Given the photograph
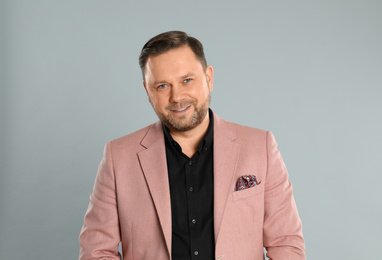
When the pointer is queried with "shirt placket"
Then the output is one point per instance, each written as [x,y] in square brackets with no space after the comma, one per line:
[191,191]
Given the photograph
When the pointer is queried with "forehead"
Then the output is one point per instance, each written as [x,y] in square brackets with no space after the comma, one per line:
[173,63]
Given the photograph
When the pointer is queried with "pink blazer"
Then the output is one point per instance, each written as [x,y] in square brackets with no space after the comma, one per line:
[130,202]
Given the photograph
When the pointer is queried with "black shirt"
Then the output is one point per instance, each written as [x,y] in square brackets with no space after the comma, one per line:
[191,191]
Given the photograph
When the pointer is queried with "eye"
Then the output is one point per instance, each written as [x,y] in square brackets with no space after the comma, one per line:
[162,86]
[187,80]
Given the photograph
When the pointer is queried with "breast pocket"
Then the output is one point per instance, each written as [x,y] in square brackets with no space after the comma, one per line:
[247,193]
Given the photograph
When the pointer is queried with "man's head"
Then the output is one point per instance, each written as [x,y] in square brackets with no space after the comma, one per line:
[170,40]
[177,81]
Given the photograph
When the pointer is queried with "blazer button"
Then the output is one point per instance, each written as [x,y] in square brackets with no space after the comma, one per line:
[196,252]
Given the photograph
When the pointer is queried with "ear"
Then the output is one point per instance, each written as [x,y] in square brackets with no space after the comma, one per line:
[210,77]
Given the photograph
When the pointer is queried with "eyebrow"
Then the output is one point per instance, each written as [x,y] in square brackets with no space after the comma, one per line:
[188,75]
[158,83]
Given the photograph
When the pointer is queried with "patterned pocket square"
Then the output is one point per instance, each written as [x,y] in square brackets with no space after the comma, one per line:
[246,181]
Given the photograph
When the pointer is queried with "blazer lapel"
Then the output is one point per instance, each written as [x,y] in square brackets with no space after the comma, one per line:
[225,160]
[154,166]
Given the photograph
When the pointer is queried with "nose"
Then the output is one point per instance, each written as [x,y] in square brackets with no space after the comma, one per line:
[177,93]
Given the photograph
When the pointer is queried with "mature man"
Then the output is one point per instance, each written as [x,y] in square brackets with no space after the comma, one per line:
[190,186]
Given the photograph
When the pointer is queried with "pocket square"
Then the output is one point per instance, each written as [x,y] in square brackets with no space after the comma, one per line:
[246,181]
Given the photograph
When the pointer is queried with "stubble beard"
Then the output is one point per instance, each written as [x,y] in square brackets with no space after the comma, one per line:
[184,124]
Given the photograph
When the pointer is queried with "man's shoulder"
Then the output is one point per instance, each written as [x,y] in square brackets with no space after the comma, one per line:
[137,137]
[246,129]
[253,140]
[239,129]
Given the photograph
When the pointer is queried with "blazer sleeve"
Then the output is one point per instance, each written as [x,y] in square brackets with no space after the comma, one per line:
[100,234]
[282,233]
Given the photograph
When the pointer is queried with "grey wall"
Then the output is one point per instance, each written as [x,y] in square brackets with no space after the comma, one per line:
[310,71]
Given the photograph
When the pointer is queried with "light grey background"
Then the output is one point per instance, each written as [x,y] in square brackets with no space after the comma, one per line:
[310,71]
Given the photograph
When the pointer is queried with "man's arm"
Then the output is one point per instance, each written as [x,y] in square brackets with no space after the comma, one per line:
[100,234]
[282,225]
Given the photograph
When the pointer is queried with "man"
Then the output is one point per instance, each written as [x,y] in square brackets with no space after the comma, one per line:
[190,186]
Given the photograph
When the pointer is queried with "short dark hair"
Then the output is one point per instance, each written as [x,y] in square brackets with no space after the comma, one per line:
[170,40]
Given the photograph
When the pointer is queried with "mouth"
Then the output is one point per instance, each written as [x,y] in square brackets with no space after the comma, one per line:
[181,109]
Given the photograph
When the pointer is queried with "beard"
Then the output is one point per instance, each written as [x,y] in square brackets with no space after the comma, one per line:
[183,123]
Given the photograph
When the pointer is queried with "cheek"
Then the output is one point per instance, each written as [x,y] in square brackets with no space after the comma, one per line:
[197,91]
[157,102]
[201,93]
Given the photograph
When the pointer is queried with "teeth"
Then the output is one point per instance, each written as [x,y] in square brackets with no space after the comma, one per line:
[181,109]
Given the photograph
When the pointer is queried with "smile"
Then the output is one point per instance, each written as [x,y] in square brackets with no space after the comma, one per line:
[181,109]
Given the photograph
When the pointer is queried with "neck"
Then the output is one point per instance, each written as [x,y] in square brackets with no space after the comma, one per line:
[189,140]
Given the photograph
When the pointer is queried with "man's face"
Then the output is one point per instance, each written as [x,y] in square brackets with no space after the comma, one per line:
[178,88]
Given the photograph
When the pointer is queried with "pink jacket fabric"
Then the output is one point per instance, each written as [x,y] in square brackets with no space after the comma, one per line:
[130,202]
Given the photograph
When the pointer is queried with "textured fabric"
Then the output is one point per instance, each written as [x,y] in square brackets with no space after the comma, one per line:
[131,201]
[246,181]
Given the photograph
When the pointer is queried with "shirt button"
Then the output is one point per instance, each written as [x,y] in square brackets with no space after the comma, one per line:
[189,162]
[191,189]
[193,221]
[196,252]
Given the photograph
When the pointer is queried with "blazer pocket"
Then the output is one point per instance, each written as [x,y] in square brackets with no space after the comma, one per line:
[246,193]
